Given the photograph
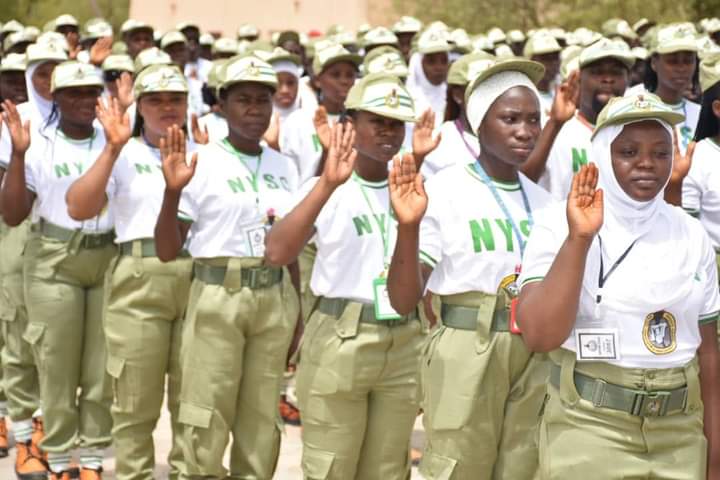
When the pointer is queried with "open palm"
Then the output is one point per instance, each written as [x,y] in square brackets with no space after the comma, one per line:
[341,155]
[407,192]
[423,141]
[585,203]
[322,126]
[19,131]
[176,170]
[115,122]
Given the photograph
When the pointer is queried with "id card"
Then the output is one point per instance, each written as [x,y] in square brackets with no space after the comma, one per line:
[255,237]
[597,344]
[383,309]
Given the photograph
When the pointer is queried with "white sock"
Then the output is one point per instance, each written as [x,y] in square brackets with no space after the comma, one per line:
[22,430]
[59,462]
[91,458]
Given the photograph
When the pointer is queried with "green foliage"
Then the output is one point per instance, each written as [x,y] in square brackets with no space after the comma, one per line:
[39,12]
[478,16]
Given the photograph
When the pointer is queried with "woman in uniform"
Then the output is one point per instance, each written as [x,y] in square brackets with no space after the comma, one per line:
[632,339]
[482,388]
[241,312]
[146,298]
[65,263]
[358,374]
[427,81]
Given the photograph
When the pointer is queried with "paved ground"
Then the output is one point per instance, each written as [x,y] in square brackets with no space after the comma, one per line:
[288,467]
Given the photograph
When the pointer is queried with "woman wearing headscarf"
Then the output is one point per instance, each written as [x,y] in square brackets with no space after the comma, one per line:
[427,81]
[624,297]
[463,241]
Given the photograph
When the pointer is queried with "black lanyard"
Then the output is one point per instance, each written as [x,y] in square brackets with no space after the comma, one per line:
[602,278]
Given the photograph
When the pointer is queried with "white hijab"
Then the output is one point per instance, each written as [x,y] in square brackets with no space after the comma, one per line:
[425,93]
[664,251]
[41,108]
[287,66]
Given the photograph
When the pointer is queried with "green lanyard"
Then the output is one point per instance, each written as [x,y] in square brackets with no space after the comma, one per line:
[384,229]
[253,174]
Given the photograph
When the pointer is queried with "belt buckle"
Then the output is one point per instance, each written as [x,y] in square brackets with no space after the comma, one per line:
[651,404]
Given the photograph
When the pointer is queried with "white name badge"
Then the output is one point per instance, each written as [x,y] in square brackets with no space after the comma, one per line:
[255,237]
[383,309]
[597,344]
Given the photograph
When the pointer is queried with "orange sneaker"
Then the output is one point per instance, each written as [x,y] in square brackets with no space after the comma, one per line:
[288,412]
[64,475]
[37,436]
[90,474]
[29,466]
[3,438]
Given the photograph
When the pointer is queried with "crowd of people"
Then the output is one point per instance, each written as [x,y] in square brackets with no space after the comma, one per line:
[514,234]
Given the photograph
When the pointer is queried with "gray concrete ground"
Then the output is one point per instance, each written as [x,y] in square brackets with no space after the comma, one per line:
[288,467]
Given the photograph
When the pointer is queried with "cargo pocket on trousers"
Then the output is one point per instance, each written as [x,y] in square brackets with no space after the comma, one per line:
[124,393]
[33,335]
[316,464]
[201,443]
[437,467]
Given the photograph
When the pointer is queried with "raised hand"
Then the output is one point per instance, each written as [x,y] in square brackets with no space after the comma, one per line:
[101,50]
[585,204]
[341,155]
[115,121]
[19,131]
[407,192]
[423,141]
[681,163]
[125,90]
[175,168]
[272,134]
[322,127]
[567,95]
[200,135]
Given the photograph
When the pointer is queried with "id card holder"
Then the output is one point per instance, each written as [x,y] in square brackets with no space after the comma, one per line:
[514,327]
[383,309]
[255,238]
[594,344]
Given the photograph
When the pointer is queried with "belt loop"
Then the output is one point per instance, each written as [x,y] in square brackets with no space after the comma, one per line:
[568,390]
[74,243]
[136,251]
[233,275]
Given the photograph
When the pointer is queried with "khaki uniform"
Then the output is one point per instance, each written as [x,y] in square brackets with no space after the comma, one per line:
[482,395]
[239,325]
[146,302]
[602,440]
[20,376]
[64,281]
[357,386]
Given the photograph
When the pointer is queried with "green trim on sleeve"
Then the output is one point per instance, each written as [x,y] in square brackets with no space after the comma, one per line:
[692,212]
[531,280]
[425,258]
[184,218]
[708,318]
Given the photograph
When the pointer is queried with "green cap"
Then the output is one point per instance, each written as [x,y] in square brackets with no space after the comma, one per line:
[570,60]
[66,20]
[11,26]
[707,47]
[160,78]
[130,25]
[279,54]
[379,36]
[248,68]
[645,106]
[16,38]
[215,75]
[206,40]
[534,71]
[641,53]
[586,37]
[460,41]
[709,72]
[183,25]
[459,72]
[433,40]
[496,35]
[171,37]
[119,48]
[407,24]
[363,29]
[675,38]
[247,30]
[151,56]
[617,27]
[96,28]
[386,60]
[225,45]
[383,95]
[483,44]
[259,45]
[75,74]
[643,22]
[42,52]
[13,62]
[606,48]
[712,25]
[53,38]
[504,51]
[515,36]
[329,54]
[540,44]
[119,62]
[345,38]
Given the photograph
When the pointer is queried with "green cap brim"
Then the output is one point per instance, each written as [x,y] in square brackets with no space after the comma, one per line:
[671,118]
[349,57]
[534,71]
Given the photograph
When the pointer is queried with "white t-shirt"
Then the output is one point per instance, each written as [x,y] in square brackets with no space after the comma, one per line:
[570,151]
[350,248]
[452,150]
[300,142]
[226,206]
[216,125]
[465,235]
[135,190]
[642,340]
[52,164]
[701,188]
